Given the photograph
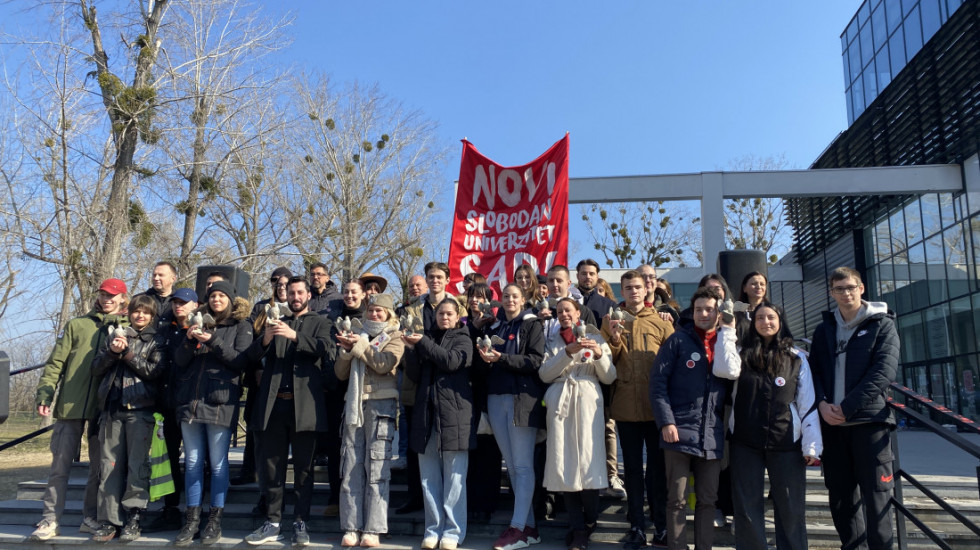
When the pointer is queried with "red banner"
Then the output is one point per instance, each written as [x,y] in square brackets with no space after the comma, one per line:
[508,216]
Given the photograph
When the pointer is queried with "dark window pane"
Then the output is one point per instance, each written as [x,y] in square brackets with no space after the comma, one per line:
[913,222]
[936,265]
[870,84]
[857,97]
[912,335]
[946,209]
[913,34]
[867,46]
[930,214]
[850,109]
[937,331]
[878,26]
[884,72]
[893,14]
[854,60]
[966,384]
[931,18]
[896,51]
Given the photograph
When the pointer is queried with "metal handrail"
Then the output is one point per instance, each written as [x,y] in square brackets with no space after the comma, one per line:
[27,369]
[966,424]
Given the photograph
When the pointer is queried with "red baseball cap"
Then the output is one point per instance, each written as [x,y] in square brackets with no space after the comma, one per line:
[113,286]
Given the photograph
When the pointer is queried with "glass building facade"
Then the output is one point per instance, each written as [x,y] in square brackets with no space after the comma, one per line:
[880,40]
[923,259]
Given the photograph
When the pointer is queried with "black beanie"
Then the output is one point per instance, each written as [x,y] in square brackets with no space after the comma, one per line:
[223,287]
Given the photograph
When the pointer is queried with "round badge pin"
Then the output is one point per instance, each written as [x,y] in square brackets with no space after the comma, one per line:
[780,381]
[690,364]
[696,356]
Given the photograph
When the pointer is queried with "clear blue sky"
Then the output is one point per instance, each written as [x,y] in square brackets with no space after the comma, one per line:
[643,87]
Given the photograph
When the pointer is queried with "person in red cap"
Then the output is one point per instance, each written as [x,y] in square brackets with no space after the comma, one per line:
[70,367]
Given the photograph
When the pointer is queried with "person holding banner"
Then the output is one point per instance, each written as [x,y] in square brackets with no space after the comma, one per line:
[527,279]
[515,409]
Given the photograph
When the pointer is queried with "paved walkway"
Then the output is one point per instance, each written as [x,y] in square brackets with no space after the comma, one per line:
[925,453]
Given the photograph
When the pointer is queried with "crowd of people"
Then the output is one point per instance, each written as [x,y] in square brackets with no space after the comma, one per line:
[549,379]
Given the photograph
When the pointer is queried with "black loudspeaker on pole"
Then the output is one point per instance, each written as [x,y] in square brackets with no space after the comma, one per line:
[238,278]
[4,386]
[734,265]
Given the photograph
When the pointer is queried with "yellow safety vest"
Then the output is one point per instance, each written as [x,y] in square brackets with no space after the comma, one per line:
[161,482]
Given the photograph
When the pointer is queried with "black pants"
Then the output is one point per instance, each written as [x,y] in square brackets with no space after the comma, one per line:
[279,436]
[583,508]
[483,488]
[335,412]
[857,463]
[172,437]
[632,437]
[787,482]
[414,476]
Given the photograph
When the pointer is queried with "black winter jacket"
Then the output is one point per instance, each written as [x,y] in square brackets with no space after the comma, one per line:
[304,358]
[519,370]
[440,366]
[137,368]
[871,366]
[209,374]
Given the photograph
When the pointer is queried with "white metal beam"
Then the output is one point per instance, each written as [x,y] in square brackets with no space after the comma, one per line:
[888,180]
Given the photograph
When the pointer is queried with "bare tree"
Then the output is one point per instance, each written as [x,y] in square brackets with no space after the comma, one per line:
[213,68]
[368,168]
[130,111]
[655,233]
[757,223]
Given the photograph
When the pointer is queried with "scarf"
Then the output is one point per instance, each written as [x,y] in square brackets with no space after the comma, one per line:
[355,389]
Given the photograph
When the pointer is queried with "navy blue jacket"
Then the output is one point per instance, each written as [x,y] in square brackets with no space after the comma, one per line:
[685,393]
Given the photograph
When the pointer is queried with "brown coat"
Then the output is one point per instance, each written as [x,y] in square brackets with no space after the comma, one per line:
[633,356]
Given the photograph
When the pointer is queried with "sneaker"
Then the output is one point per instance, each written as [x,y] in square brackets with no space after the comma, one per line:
[429,543]
[531,535]
[635,538]
[370,540]
[47,529]
[300,535]
[89,525]
[448,544]
[350,539]
[104,533]
[511,539]
[616,488]
[267,533]
[659,539]
[131,531]
[720,519]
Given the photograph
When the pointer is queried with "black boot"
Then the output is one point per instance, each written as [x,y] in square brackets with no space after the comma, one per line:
[167,520]
[191,523]
[131,531]
[212,531]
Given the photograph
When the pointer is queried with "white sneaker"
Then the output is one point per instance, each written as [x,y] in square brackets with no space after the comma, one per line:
[616,488]
[46,530]
[429,543]
[350,539]
[447,544]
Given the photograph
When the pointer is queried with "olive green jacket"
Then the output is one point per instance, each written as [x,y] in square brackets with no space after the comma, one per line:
[70,366]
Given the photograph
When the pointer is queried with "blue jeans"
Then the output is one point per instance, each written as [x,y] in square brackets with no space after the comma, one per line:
[517,447]
[199,437]
[444,491]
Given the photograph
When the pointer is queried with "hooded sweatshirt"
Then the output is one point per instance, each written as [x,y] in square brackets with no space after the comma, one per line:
[844,332]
